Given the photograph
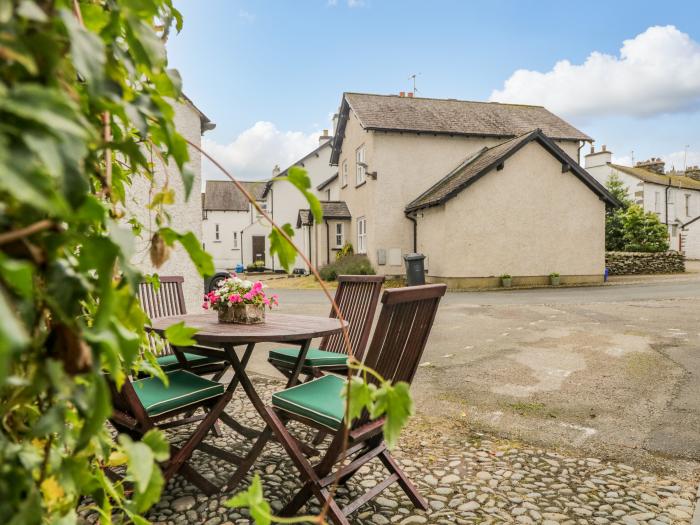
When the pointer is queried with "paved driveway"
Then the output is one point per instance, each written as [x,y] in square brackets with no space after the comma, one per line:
[611,370]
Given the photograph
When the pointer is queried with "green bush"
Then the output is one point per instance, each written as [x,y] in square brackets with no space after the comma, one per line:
[257,266]
[643,232]
[348,265]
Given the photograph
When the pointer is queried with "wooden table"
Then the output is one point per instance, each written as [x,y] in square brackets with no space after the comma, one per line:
[219,340]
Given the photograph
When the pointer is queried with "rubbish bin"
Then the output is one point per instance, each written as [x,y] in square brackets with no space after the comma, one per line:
[415,269]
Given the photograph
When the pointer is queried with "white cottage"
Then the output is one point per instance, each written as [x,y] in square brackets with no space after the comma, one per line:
[674,197]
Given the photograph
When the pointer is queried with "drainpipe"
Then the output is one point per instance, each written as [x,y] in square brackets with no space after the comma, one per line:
[415,231]
[328,243]
[242,248]
[309,247]
[668,188]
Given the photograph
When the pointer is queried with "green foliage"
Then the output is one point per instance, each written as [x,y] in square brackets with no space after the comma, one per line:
[253,500]
[614,217]
[391,401]
[180,335]
[82,107]
[350,265]
[282,247]
[346,250]
[643,232]
[300,179]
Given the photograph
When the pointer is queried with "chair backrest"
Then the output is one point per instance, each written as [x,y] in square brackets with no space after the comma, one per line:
[357,297]
[168,300]
[402,330]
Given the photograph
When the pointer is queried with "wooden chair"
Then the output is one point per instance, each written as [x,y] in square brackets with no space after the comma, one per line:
[357,297]
[397,345]
[147,403]
[169,300]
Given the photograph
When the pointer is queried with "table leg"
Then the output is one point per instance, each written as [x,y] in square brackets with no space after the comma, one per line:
[224,417]
[294,378]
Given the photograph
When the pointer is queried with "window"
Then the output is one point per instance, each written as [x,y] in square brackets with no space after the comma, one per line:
[344,174]
[235,240]
[263,206]
[216,233]
[339,235]
[687,204]
[657,202]
[361,235]
[360,170]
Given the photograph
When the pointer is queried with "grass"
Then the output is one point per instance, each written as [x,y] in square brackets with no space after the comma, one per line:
[308,282]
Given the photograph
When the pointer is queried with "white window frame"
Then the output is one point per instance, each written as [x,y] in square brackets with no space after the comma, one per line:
[339,235]
[361,235]
[235,240]
[360,171]
[657,201]
[344,174]
[263,205]
[217,238]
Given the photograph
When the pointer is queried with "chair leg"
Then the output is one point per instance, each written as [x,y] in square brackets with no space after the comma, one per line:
[409,488]
[318,439]
[298,501]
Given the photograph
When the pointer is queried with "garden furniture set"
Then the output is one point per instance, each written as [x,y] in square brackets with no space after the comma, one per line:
[399,338]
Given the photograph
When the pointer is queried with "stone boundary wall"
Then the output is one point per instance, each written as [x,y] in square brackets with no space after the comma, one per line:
[628,263]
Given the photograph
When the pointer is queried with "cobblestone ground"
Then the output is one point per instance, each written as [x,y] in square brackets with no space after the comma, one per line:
[467,478]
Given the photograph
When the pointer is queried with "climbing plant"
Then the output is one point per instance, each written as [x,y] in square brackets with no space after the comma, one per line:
[86,112]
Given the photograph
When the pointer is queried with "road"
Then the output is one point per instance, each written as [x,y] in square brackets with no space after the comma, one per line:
[614,370]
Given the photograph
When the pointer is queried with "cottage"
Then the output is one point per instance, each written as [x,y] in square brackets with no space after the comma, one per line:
[674,197]
[482,189]
[232,228]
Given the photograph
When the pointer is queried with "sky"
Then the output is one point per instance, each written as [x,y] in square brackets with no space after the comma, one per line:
[271,74]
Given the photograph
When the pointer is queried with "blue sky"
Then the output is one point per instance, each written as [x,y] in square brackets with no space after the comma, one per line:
[271,73]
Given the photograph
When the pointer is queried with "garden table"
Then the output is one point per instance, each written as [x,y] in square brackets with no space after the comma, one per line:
[219,341]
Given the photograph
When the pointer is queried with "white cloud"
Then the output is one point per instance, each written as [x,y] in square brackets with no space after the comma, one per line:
[254,152]
[356,3]
[678,159]
[658,71]
[246,15]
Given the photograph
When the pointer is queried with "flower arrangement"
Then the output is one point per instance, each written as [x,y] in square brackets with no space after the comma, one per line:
[239,301]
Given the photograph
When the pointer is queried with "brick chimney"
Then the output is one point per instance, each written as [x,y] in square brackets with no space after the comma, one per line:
[653,164]
[402,94]
[409,94]
[597,158]
[324,137]
[276,171]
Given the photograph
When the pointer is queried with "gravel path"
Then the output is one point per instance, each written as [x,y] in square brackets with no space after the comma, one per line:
[466,477]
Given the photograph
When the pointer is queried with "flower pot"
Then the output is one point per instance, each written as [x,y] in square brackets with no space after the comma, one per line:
[242,314]
[506,282]
[554,281]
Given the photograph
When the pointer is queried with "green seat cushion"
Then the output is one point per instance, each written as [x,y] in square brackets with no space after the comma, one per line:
[185,388]
[318,400]
[314,357]
[169,362]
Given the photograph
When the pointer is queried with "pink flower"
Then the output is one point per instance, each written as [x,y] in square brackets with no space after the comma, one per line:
[205,305]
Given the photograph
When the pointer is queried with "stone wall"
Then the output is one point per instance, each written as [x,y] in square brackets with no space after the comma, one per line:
[627,263]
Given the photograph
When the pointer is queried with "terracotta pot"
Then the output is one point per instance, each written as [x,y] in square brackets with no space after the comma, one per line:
[242,314]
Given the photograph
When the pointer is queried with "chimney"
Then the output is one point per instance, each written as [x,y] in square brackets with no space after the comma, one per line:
[653,164]
[323,138]
[402,94]
[276,171]
[410,94]
[597,158]
[335,122]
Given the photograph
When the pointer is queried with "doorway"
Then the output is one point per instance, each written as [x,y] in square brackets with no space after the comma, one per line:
[259,249]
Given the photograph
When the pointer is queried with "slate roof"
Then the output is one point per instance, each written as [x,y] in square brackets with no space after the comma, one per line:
[677,181]
[449,117]
[333,210]
[223,195]
[488,159]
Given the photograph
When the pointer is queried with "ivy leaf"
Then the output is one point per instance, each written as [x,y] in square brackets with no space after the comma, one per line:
[254,501]
[31,11]
[201,259]
[87,50]
[394,402]
[100,409]
[151,494]
[300,179]
[140,461]
[155,439]
[359,395]
[280,246]
[180,335]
